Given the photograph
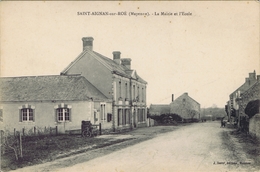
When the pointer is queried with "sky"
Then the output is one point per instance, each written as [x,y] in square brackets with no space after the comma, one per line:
[207,54]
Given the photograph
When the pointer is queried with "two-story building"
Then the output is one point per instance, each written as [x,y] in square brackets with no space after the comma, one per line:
[235,98]
[117,81]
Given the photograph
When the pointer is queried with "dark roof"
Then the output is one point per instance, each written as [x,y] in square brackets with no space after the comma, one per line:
[159,108]
[256,84]
[108,63]
[43,88]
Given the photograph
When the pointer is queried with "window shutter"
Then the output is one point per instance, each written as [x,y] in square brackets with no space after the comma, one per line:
[33,111]
[55,115]
[70,114]
[20,115]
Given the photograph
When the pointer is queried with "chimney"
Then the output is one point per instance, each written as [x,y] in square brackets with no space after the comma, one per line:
[252,76]
[116,56]
[87,43]
[172,97]
[126,62]
[258,77]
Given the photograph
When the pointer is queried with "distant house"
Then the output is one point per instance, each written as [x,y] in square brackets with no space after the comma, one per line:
[117,81]
[232,106]
[186,107]
[159,109]
[49,101]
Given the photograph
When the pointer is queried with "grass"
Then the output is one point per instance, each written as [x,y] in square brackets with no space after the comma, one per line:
[43,149]
[248,144]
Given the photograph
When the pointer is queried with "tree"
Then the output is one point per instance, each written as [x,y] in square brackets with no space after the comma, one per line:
[252,108]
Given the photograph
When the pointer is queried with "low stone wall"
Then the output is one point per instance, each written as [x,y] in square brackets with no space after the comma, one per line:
[254,126]
[139,125]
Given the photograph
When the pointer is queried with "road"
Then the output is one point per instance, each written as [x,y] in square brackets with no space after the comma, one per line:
[196,147]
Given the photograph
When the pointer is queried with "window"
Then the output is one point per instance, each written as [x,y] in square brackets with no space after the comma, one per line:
[127,116]
[103,111]
[123,118]
[63,114]
[126,96]
[119,88]
[109,117]
[142,95]
[26,113]
[119,117]
[138,95]
[138,115]
[134,91]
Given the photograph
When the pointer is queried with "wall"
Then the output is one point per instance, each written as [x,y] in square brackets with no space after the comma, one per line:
[253,93]
[254,126]
[95,72]
[108,109]
[123,103]
[45,115]
[185,107]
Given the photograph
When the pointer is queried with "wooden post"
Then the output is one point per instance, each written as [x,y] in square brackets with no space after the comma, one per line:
[23,131]
[14,132]
[100,131]
[50,131]
[21,146]
[56,130]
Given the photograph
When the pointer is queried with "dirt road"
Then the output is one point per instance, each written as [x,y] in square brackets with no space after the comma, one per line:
[198,147]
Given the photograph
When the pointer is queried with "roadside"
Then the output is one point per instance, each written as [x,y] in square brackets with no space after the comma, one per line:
[243,147]
[197,147]
[61,148]
[237,146]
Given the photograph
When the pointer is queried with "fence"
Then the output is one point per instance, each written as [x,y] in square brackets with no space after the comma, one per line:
[36,131]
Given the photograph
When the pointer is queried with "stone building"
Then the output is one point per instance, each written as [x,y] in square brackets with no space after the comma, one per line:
[117,81]
[251,94]
[186,107]
[48,101]
[233,108]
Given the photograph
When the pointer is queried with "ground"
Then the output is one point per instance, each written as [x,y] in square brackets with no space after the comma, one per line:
[195,147]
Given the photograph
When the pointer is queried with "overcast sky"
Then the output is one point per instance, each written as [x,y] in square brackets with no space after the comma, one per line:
[207,54]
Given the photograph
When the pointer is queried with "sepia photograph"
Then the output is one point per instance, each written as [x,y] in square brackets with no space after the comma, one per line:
[129,86]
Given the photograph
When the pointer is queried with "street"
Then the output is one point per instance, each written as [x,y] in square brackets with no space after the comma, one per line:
[195,147]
